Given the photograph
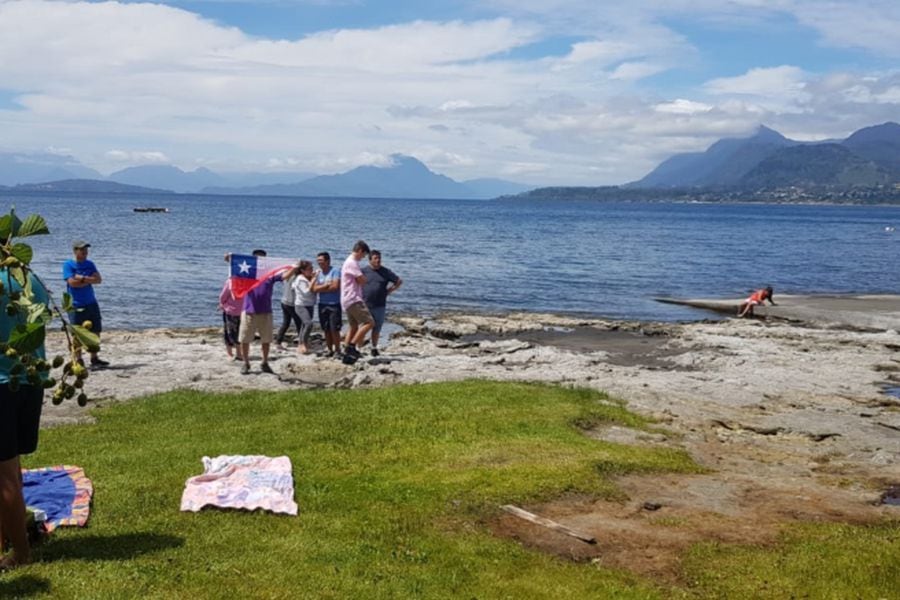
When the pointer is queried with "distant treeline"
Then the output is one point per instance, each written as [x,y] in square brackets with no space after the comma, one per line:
[882,194]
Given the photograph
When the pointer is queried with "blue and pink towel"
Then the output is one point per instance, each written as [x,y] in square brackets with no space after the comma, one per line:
[63,492]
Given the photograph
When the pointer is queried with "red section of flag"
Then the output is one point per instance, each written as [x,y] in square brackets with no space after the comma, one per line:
[241,285]
[248,272]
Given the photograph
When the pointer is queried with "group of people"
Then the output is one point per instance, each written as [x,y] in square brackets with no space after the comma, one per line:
[357,291]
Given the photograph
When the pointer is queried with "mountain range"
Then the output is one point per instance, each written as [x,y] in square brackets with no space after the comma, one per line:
[405,177]
[869,157]
[17,168]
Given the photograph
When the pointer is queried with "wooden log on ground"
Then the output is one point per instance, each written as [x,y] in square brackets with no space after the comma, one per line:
[545,522]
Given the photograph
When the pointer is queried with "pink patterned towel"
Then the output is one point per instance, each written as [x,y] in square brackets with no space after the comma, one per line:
[248,482]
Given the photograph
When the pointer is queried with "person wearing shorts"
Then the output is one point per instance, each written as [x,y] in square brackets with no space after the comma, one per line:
[757,298]
[381,282]
[81,275]
[256,318]
[20,416]
[358,316]
[327,285]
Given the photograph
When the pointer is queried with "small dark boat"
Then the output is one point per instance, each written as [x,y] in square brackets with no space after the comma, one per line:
[160,209]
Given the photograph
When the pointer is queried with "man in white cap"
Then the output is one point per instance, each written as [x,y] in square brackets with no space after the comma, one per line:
[81,275]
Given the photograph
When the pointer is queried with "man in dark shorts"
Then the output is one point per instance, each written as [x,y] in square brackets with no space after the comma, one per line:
[328,286]
[81,275]
[381,282]
[20,416]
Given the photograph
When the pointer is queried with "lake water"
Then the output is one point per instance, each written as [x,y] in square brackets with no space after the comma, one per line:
[589,258]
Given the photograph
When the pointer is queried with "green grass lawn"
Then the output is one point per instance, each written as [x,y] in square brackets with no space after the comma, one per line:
[393,485]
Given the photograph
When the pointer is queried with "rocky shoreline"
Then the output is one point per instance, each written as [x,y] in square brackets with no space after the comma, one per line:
[796,419]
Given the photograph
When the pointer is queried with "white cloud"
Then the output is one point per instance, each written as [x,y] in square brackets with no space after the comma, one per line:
[868,24]
[760,82]
[137,157]
[460,96]
[632,71]
[58,151]
[680,106]
[600,52]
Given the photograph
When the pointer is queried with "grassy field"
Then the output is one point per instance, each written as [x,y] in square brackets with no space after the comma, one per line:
[394,486]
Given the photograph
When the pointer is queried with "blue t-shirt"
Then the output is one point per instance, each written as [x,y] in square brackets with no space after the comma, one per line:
[329,297]
[81,296]
[7,323]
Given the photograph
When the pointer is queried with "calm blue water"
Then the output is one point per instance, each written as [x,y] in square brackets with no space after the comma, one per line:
[576,257]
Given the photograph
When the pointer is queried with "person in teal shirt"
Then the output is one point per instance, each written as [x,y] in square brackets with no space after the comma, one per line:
[20,416]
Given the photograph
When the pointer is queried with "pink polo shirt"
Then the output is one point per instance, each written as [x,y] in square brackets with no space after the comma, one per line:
[351,291]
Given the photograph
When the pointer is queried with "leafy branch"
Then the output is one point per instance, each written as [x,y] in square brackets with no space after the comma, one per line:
[34,315]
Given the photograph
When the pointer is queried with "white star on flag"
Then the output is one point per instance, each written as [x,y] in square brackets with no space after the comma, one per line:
[244,267]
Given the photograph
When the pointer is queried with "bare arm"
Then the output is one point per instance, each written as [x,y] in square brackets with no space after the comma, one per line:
[79,281]
[395,286]
[332,285]
[290,273]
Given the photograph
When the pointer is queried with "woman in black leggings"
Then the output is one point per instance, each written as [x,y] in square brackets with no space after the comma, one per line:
[288,314]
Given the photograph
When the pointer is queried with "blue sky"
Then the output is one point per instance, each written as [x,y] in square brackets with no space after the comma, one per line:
[548,92]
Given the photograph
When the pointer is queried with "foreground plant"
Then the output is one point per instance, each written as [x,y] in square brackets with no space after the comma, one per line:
[35,315]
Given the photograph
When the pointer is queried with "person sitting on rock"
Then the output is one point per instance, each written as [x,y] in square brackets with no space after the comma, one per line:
[756,298]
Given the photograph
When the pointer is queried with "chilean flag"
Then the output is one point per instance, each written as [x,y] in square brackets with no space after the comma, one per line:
[247,271]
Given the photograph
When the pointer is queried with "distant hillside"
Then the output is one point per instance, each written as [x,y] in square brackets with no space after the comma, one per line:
[201,180]
[251,178]
[492,188]
[820,164]
[88,186]
[16,168]
[167,177]
[722,164]
[407,177]
[880,144]
[870,156]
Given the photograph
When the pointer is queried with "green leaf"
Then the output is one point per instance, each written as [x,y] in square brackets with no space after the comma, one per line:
[23,252]
[33,225]
[39,313]
[5,227]
[89,340]
[67,302]
[29,340]
[13,224]
[18,273]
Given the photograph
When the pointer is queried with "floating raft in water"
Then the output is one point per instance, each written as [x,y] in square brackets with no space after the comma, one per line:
[160,209]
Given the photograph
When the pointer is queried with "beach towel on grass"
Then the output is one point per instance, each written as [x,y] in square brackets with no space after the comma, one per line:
[63,492]
[247,482]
